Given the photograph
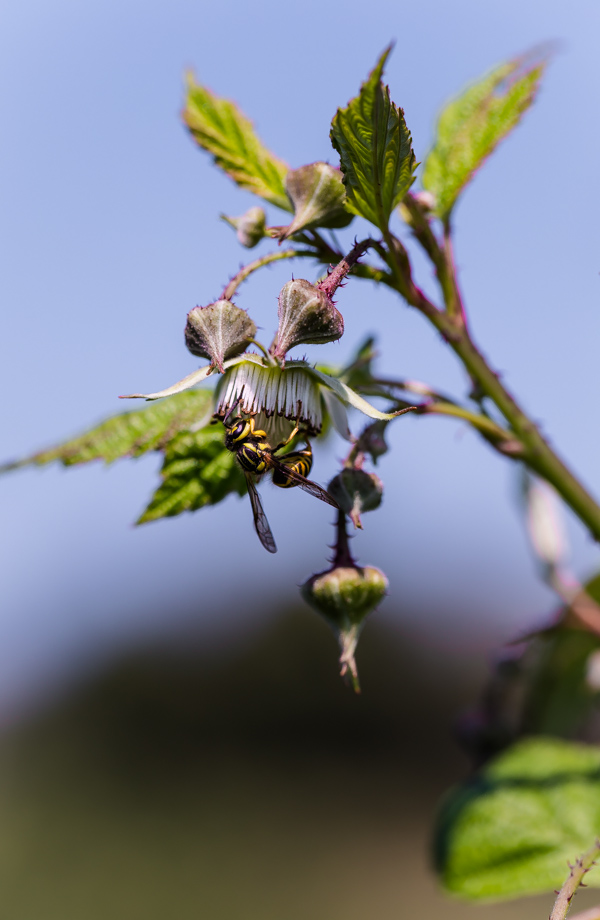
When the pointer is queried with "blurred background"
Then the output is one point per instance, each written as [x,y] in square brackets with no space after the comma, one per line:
[165,747]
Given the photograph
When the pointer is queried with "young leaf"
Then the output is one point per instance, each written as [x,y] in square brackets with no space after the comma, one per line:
[198,470]
[129,434]
[511,829]
[375,148]
[472,125]
[217,125]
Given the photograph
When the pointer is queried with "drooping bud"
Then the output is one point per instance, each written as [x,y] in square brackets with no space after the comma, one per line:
[219,331]
[318,194]
[426,200]
[372,440]
[355,492]
[249,227]
[345,596]
[306,316]
[544,523]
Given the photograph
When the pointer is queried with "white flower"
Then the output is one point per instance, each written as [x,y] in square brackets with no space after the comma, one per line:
[278,397]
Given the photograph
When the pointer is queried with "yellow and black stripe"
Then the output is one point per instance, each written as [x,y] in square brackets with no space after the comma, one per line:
[299,461]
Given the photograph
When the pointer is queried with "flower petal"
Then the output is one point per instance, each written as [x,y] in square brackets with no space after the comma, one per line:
[337,413]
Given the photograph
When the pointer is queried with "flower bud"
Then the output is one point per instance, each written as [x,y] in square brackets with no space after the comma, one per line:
[544,523]
[249,227]
[219,331]
[345,596]
[417,208]
[356,491]
[426,200]
[372,440]
[306,316]
[318,194]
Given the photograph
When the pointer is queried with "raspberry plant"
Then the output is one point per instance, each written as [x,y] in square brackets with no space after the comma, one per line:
[533,800]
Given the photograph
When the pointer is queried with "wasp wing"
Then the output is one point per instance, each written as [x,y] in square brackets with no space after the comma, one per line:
[261,523]
[306,484]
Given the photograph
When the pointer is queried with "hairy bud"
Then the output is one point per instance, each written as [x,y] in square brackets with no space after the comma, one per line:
[355,492]
[306,316]
[249,227]
[345,596]
[372,440]
[317,193]
[219,331]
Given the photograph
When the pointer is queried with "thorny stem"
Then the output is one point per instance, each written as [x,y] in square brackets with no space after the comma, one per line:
[342,555]
[537,453]
[452,295]
[580,607]
[501,438]
[592,914]
[573,881]
[336,276]
[413,386]
[247,270]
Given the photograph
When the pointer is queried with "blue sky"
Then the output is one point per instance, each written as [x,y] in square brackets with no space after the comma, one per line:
[110,234]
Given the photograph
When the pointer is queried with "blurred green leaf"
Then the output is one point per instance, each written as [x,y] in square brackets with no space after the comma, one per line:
[511,830]
[129,434]
[218,126]
[375,148]
[559,699]
[472,125]
[198,470]
[359,372]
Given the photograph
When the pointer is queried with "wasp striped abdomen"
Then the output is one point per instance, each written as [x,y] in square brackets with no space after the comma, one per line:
[255,456]
[299,461]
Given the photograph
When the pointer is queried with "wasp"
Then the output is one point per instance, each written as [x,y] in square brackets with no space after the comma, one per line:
[256,456]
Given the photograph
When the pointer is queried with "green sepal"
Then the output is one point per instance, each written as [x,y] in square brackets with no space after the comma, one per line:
[218,126]
[511,829]
[194,378]
[129,434]
[198,470]
[375,149]
[472,125]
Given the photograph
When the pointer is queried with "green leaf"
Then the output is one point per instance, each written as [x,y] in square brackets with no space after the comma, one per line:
[557,698]
[359,372]
[473,124]
[198,470]
[375,148]
[217,125]
[129,434]
[511,830]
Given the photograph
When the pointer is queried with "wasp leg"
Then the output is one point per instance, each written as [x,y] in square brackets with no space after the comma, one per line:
[287,440]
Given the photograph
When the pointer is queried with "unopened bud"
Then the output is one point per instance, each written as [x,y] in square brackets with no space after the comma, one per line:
[249,227]
[345,596]
[219,331]
[417,208]
[372,440]
[543,521]
[318,194]
[306,316]
[355,492]
[426,200]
